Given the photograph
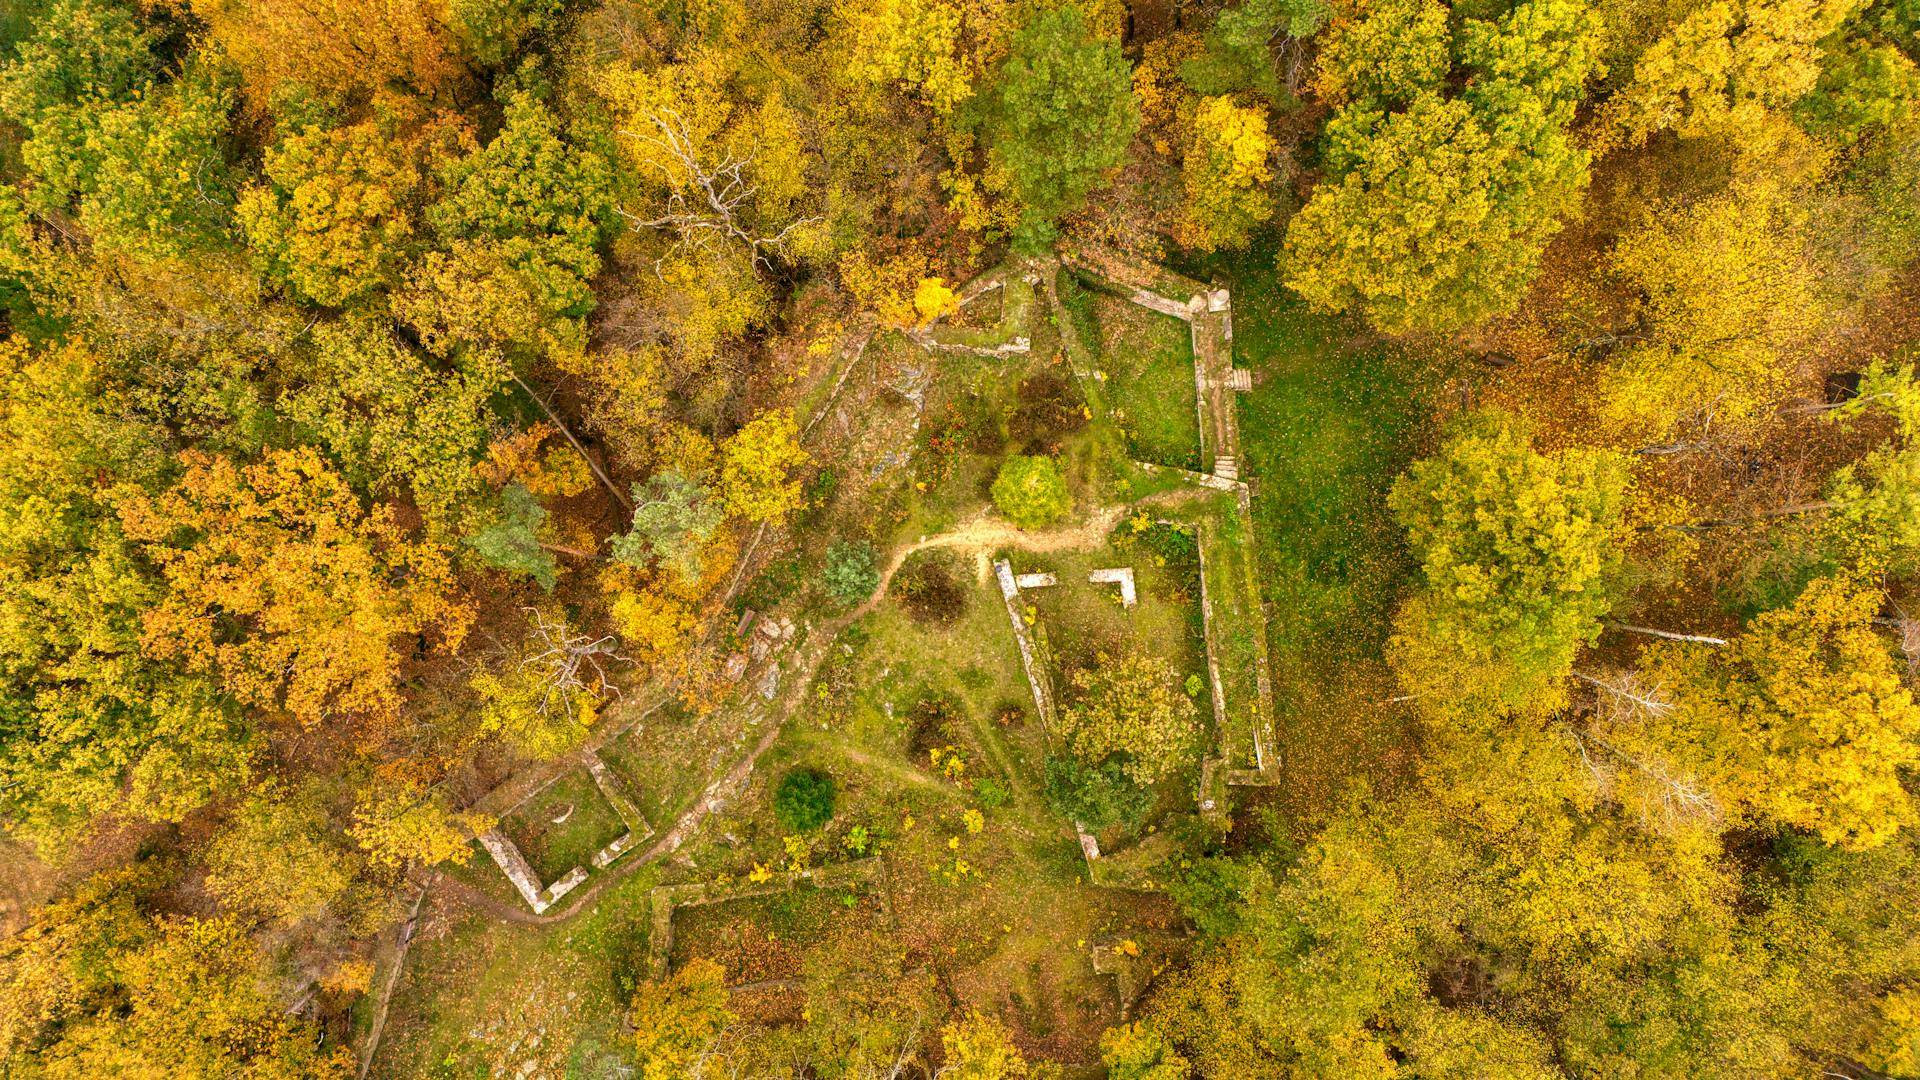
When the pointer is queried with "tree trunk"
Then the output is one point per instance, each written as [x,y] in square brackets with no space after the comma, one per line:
[564,550]
[568,432]
[1778,511]
[1667,634]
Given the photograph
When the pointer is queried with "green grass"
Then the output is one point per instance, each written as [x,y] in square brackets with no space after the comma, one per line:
[555,849]
[1334,420]
[1147,359]
[1231,585]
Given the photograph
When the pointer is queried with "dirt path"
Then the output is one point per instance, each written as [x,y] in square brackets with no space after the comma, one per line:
[985,533]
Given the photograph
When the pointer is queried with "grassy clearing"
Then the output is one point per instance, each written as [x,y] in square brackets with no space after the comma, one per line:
[986,886]
[1016,303]
[1082,620]
[1147,359]
[1232,590]
[480,997]
[765,937]
[555,849]
[1011,931]
[666,758]
[982,313]
[1330,425]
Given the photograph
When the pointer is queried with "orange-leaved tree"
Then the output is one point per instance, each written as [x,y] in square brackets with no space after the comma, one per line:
[283,583]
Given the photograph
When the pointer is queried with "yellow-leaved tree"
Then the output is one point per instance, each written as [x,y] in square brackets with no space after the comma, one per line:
[757,466]
[1223,174]
[335,45]
[1723,67]
[400,816]
[1802,719]
[674,1020]
[1727,287]
[333,219]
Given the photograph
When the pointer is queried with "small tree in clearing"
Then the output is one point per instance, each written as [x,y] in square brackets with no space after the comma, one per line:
[851,575]
[804,800]
[1139,1052]
[1031,491]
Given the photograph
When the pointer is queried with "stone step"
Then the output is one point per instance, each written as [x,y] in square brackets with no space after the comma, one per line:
[1240,379]
[1227,467]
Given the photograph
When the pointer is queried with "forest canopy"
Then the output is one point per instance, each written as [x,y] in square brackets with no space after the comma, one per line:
[1165,539]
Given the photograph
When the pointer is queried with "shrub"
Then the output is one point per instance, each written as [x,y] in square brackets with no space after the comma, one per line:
[1031,491]
[804,800]
[1132,704]
[932,592]
[851,575]
[992,792]
[1209,889]
[1096,796]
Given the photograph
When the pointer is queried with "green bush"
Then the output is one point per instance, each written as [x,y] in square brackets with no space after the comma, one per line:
[992,792]
[1031,491]
[1209,889]
[851,575]
[1096,796]
[804,800]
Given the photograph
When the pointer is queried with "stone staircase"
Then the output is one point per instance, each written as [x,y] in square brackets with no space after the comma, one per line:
[1226,468]
[1240,379]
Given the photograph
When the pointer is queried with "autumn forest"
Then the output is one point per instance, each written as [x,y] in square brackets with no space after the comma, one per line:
[960,539]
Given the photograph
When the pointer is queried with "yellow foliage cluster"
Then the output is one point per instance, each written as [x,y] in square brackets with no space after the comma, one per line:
[889,287]
[334,44]
[559,470]
[917,44]
[400,819]
[1156,84]
[978,200]
[1223,173]
[517,705]
[1723,67]
[932,299]
[349,977]
[757,466]
[1729,286]
[336,213]
[1803,719]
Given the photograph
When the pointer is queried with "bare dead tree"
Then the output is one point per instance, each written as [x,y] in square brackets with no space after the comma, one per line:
[705,202]
[568,663]
[1631,700]
[1674,798]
